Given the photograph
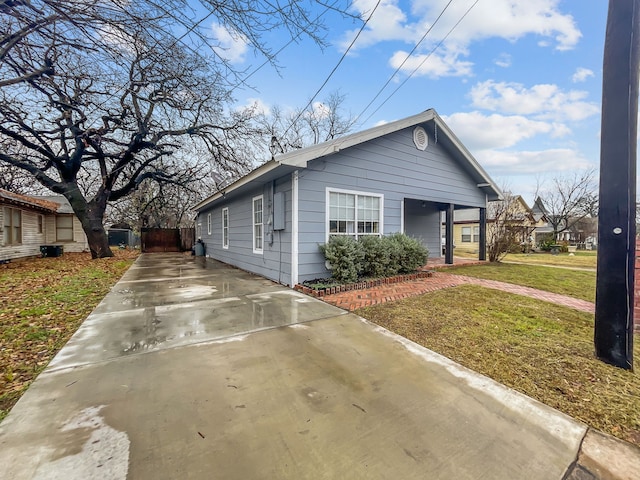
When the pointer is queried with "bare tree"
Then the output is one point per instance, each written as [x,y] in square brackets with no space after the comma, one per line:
[98,98]
[321,122]
[508,225]
[569,200]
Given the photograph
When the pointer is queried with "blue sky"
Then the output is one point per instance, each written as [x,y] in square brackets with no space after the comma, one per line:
[518,81]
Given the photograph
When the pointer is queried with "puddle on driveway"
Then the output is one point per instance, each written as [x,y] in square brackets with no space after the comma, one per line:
[137,330]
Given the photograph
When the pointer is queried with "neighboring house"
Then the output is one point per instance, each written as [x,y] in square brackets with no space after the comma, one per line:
[29,222]
[520,219]
[582,231]
[396,177]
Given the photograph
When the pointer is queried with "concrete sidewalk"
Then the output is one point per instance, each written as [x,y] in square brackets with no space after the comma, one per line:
[191,369]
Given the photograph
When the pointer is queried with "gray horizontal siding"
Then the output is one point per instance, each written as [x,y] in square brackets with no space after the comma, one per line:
[392,166]
[275,261]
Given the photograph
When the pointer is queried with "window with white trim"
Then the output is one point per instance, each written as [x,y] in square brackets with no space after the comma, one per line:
[225,227]
[64,228]
[470,234]
[466,234]
[257,224]
[354,213]
[208,224]
[12,231]
[40,224]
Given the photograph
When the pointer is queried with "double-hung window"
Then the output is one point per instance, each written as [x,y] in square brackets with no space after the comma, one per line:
[354,213]
[470,234]
[208,224]
[64,228]
[225,227]
[258,226]
[12,231]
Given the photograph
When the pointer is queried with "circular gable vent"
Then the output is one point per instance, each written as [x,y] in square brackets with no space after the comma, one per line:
[420,138]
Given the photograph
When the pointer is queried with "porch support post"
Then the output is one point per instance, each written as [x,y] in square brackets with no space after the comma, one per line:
[482,247]
[448,251]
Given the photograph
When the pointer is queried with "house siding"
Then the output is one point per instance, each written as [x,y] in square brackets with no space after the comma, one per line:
[390,165]
[275,260]
[32,240]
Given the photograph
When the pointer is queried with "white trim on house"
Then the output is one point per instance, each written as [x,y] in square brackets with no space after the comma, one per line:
[257,249]
[225,227]
[208,224]
[356,193]
[294,229]
[402,216]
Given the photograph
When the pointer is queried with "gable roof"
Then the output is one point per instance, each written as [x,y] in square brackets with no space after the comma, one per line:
[36,203]
[296,159]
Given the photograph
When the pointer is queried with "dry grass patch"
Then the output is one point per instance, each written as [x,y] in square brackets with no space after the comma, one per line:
[540,349]
[44,301]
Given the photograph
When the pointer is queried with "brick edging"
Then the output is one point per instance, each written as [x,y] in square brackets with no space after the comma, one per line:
[362,285]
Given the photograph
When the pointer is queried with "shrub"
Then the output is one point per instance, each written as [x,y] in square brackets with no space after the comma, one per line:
[376,256]
[345,256]
[412,254]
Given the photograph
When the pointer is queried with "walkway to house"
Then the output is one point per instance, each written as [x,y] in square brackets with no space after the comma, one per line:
[354,299]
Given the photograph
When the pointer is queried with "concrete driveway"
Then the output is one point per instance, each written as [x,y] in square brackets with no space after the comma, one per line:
[190,369]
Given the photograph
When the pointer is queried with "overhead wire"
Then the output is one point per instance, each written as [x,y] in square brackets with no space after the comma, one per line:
[344,55]
[423,61]
[405,60]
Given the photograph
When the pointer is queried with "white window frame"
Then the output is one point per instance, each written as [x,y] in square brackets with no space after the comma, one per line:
[40,224]
[356,193]
[470,234]
[475,235]
[225,227]
[257,238]
[208,224]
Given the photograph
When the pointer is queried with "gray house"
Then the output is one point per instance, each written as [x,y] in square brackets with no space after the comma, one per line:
[397,177]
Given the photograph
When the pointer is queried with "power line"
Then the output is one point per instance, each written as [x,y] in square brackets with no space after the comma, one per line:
[404,61]
[423,62]
[333,70]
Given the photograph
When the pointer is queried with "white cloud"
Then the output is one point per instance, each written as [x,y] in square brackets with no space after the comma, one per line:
[503,60]
[508,19]
[232,46]
[581,75]
[482,132]
[434,65]
[543,101]
[532,162]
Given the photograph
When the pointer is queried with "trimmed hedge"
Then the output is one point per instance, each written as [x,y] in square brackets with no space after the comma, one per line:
[372,256]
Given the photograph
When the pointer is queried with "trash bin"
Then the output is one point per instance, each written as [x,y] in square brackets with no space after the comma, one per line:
[51,250]
[199,249]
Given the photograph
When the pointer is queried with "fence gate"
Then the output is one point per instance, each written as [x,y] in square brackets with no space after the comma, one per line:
[160,240]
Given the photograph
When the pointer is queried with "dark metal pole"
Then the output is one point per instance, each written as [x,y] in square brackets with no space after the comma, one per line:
[482,248]
[613,336]
[448,251]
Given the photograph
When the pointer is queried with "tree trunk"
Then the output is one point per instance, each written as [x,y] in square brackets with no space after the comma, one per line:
[97,238]
[91,215]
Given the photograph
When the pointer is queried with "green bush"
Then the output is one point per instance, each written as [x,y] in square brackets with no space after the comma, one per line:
[377,256]
[413,254]
[345,256]
[373,256]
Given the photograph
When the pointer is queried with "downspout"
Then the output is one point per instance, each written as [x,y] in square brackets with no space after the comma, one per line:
[294,229]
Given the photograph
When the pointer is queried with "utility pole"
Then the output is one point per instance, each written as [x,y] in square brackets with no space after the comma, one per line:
[613,335]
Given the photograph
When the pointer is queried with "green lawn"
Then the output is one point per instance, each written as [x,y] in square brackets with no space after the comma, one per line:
[540,349]
[575,283]
[581,259]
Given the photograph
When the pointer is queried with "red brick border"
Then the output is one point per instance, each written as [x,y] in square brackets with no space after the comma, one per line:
[362,285]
